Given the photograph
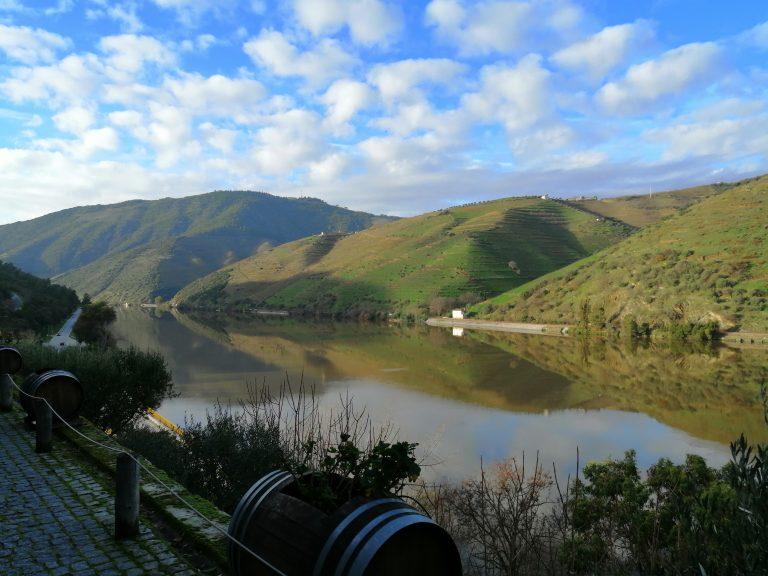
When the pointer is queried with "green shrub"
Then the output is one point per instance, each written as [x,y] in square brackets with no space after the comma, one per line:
[119,384]
[218,459]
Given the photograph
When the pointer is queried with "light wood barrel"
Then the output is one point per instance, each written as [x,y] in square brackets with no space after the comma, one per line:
[60,388]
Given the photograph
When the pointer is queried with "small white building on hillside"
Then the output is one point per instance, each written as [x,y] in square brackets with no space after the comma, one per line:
[457,313]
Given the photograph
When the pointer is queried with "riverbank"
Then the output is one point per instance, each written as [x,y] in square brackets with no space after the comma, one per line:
[516,327]
[735,339]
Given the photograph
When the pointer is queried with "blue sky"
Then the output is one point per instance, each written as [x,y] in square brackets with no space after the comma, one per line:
[388,106]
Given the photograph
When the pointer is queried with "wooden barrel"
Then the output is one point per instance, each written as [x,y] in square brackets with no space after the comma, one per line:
[10,360]
[62,390]
[364,536]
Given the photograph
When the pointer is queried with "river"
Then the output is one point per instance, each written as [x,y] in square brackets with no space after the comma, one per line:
[475,395]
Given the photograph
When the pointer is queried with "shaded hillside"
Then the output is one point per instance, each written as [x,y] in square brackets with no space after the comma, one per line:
[403,266]
[709,262]
[141,249]
[641,210]
[31,303]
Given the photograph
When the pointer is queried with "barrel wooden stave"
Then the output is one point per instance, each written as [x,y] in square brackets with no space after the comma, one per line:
[60,388]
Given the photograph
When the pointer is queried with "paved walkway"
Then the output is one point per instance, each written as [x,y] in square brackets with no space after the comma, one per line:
[63,337]
[56,519]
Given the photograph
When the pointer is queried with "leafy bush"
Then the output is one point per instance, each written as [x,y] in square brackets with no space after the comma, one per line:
[119,384]
[218,459]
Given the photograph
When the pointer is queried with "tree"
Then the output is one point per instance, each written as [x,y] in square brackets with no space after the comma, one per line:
[91,326]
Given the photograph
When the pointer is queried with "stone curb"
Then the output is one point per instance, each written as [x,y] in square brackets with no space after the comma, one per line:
[200,533]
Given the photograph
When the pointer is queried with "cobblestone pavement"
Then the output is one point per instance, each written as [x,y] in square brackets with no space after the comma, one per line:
[56,519]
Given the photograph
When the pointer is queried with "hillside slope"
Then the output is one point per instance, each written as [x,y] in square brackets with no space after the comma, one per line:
[709,262]
[31,303]
[141,249]
[403,266]
[641,210]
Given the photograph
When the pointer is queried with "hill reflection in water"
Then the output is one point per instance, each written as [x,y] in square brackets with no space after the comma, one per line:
[484,394]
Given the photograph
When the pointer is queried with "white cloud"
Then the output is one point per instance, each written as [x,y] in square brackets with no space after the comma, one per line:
[75,120]
[222,139]
[330,168]
[603,52]
[492,26]
[397,80]
[124,13]
[127,54]
[345,98]
[728,130]
[516,96]
[673,72]
[31,45]
[756,36]
[272,50]
[291,140]
[369,21]
[215,95]
[36,176]
[71,79]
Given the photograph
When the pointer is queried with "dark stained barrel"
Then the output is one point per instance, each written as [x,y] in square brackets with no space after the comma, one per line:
[62,390]
[10,360]
[364,536]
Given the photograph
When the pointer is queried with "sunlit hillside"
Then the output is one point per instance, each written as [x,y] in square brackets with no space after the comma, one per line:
[402,267]
[709,262]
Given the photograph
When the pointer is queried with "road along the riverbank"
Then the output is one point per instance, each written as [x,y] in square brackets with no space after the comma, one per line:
[519,327]
[64,336]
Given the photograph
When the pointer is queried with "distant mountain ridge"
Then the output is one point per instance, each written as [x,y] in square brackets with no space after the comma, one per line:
[140,249]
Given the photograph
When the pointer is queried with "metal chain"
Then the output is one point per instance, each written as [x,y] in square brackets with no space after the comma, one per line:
[153,475]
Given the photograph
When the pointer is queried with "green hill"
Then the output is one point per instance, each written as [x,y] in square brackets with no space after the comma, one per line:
[641,210]
[402,267]
[31,303]
[708,262]
[137,250]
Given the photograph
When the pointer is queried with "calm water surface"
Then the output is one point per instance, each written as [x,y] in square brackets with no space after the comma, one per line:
[478,395]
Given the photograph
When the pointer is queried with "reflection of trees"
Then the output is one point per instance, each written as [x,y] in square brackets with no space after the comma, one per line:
[711,393]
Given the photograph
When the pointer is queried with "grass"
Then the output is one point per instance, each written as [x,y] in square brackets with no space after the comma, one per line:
[399,267]
[709,262]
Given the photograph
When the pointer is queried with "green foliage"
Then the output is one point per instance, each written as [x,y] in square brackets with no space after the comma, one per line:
[119,384]
[92,327]
[679,519]
[137,250]
[43,305]
[347,471]
[692,332]
[218,459]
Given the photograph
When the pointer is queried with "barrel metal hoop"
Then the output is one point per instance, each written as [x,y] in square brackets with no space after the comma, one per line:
[241,518]
[375,523]
[379,539]
[343,525]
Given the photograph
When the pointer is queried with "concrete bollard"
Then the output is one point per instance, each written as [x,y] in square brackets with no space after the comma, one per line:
[6,393]
[126,497]
[43,427]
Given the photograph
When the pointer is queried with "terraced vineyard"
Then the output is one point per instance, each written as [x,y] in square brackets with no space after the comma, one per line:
[468,252]
[707,262]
